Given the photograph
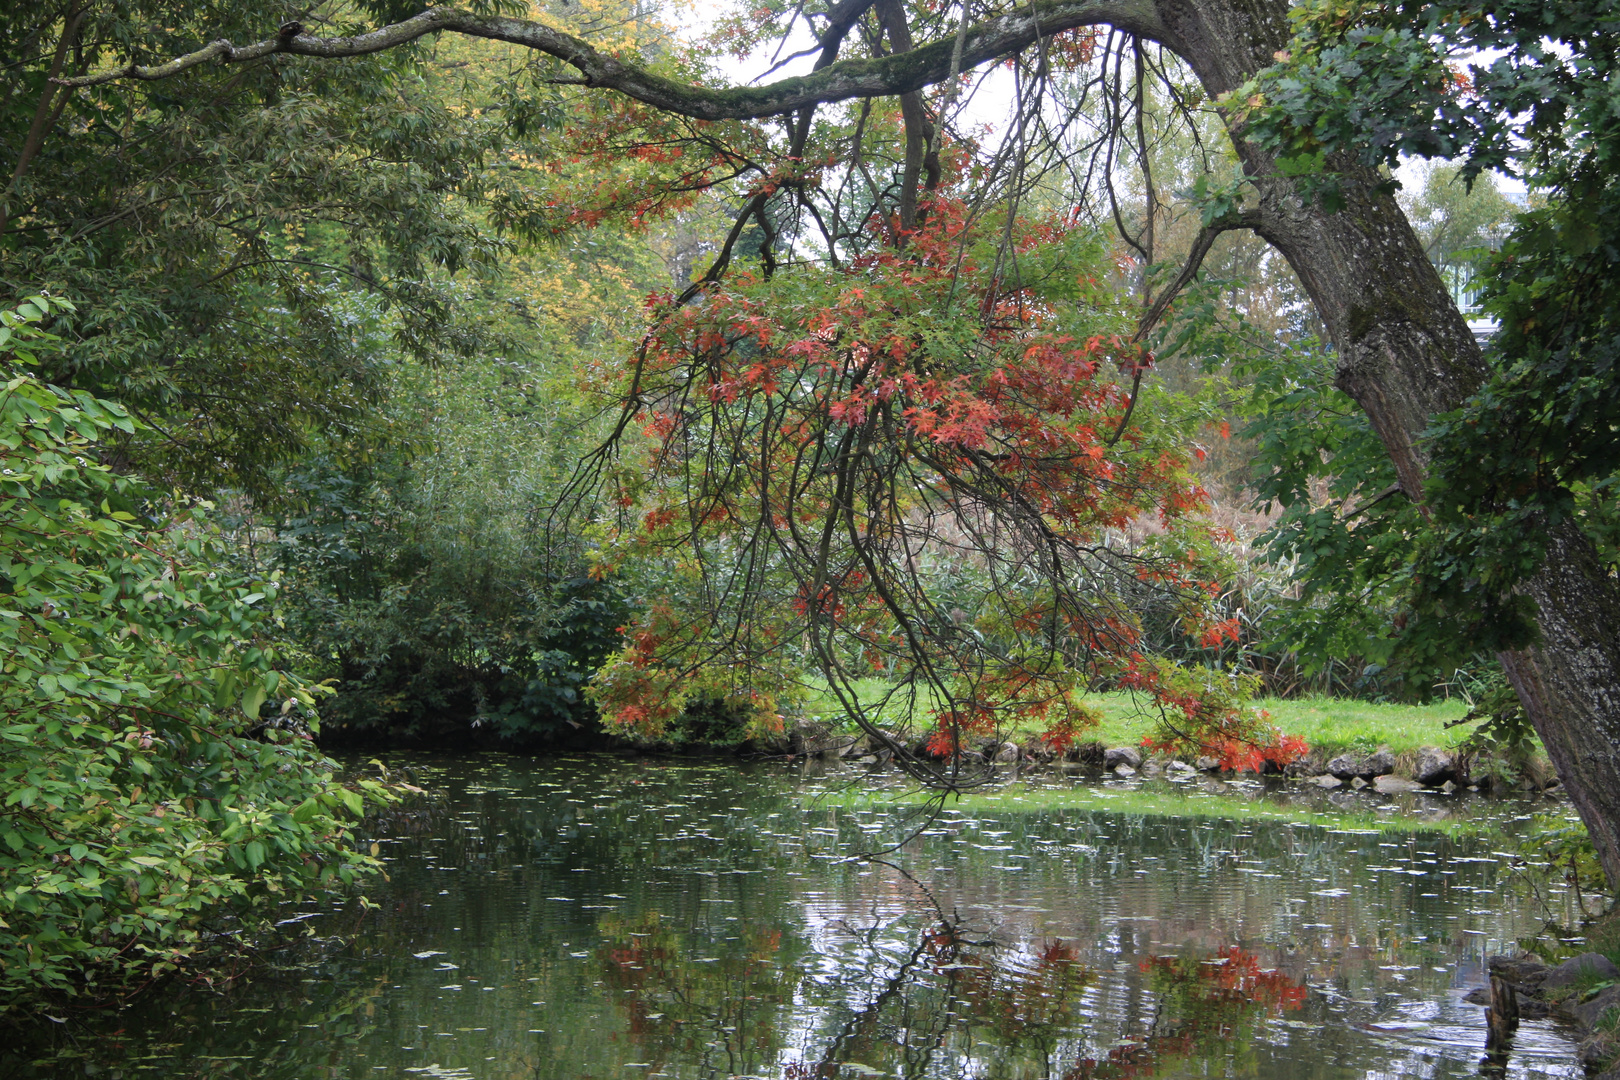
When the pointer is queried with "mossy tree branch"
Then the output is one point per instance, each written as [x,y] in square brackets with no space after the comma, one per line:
[994,38]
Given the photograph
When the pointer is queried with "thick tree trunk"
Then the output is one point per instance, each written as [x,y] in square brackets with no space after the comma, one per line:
[1405,353]
[1569,687]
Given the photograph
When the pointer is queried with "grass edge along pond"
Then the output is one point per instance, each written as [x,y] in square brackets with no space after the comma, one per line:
[1329,725]
[1151,798]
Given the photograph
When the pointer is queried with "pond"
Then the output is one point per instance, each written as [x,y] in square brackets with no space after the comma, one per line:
[595,917]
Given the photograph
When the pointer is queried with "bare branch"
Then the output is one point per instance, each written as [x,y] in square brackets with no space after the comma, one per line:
[991,39]
[1195,258]
[1189,269]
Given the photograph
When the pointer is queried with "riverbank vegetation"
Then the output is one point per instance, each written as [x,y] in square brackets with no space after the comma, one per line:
[1329,725]
[434,398]
[162,793]
[1184,799]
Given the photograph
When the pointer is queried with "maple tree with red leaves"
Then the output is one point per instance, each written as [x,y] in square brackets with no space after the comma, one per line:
[901,424]
[920,463]
[880,98]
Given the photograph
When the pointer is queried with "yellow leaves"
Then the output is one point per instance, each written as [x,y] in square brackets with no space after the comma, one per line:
[529,163]
[613,26]
[581,298]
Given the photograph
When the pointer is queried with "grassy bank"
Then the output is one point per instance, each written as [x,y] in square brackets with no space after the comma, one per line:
[1329,725]
[1160,799]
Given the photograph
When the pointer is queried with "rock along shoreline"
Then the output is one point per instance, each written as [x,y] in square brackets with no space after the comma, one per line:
[1429,768]
[1583,992]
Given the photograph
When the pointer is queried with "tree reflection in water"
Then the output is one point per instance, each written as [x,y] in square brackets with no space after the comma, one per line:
[719,1012]
[927,1005]
[612,919]
[1204,1006]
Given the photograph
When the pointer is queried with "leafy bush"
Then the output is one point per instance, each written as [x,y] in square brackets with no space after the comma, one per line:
[141,820]
[427,587]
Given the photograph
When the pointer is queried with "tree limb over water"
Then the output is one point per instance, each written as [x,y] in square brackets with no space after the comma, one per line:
[1000,36]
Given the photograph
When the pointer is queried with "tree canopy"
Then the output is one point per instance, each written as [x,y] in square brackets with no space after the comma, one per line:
[145,796]
[889,378]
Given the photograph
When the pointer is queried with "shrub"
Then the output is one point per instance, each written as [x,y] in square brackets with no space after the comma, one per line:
[140,818]
[427,584]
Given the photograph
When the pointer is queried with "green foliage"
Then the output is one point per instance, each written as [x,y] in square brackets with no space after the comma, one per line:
[429,588]
[1556,850]
[264,242]
[139,809]
[1539,445]
[1460,225]
[1365,589]
[1503,744]
[1604,934]
[1343,534]
[1153,799]
[1500,84]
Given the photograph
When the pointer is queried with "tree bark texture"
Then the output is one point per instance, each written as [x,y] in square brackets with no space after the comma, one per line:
[1405,352]
[1569,687]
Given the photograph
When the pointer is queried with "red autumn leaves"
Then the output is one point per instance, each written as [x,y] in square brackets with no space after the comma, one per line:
[840,435]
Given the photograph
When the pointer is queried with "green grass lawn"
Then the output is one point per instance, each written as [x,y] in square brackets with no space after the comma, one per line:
[1327,724]
[1332,722]
[1153,799]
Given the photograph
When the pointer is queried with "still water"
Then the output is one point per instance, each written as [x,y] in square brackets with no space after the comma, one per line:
[602,918]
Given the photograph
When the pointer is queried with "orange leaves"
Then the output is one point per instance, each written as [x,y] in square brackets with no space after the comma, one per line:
[851,412]
[1074,48]
[659,425]
[1459,82]
[1132,358]
[944,743]
[1231,979]
[657,518]
[640,163]
[1242,973]
[1203,715]
[905,465]
[1214,1003]
[999,697]
[955,727]
[825,602]
[1060,736]
[657,153]
[962,420]
[1287,749]
[1214,635]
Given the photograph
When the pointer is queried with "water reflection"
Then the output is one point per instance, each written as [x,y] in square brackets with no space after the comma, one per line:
[602,918]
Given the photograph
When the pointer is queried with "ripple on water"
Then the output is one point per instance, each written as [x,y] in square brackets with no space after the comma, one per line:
[599,917]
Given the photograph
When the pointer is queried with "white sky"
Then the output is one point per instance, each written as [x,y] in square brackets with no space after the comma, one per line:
[989,107]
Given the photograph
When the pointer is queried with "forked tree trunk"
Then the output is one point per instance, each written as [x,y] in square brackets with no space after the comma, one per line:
[1405,352]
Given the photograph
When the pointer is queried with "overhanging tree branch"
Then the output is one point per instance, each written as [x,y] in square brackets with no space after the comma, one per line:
[993,38]
[1189,269]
